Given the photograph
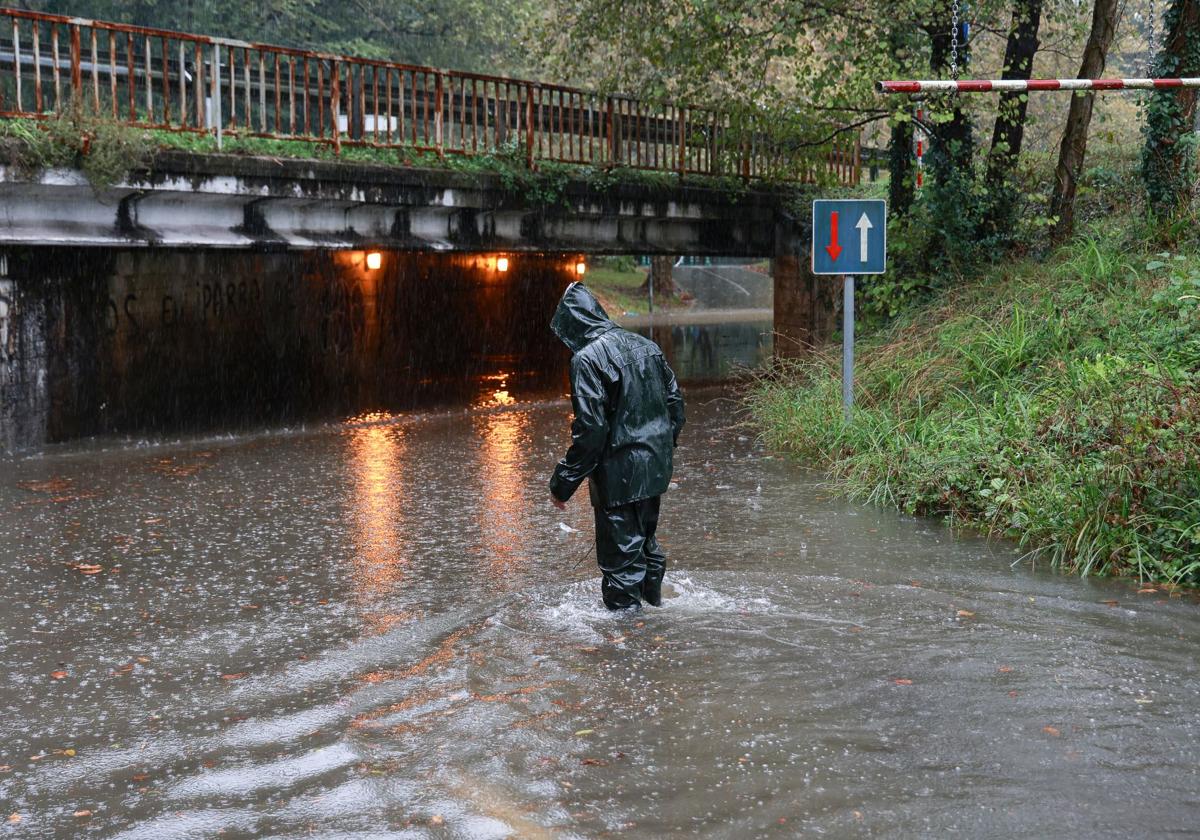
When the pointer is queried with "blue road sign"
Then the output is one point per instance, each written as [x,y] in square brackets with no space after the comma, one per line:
[849,236]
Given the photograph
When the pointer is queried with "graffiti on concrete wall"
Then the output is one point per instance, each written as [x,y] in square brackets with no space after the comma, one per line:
[209,302]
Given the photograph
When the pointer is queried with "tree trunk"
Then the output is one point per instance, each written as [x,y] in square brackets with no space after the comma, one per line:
[901,180]
[661,274]
[1074,141]
[1168,160]
[1009,131]
[900,168]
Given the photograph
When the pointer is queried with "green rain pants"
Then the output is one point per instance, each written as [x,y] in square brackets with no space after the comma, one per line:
[628,554]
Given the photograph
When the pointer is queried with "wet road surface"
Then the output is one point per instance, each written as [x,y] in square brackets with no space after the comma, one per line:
[380,628]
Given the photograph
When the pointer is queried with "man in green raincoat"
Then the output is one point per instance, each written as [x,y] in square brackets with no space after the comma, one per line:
[628,415]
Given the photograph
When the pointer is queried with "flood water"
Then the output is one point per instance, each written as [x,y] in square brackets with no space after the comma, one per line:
[380,628]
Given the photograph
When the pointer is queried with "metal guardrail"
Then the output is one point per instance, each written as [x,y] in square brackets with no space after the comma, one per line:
[159,79]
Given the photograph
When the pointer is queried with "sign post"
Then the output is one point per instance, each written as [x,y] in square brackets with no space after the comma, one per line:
[847,345]
[849,239]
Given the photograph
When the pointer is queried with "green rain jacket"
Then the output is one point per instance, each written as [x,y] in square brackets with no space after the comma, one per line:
[628,407]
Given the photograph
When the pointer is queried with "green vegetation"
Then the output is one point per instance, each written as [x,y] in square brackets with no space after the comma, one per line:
[620,286]
[1169,156]
[106,150]
[1054,400]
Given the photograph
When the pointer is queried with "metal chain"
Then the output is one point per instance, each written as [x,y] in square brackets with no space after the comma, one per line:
[1151,31]
[954,39]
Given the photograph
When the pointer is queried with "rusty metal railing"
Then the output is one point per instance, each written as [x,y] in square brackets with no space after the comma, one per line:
[172,81]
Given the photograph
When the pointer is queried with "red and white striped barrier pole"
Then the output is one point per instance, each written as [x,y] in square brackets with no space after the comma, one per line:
[988,85]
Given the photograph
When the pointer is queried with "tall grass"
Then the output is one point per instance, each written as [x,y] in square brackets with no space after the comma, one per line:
[1053,401]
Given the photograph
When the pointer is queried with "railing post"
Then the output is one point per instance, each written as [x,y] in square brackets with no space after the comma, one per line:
[531,91]
[215,93]
[76,63]
[612,135]
[335,105]
[437,116]
[357,117]
[681,124]
[858,160]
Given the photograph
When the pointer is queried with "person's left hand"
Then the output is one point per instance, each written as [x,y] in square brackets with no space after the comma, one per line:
[561,505]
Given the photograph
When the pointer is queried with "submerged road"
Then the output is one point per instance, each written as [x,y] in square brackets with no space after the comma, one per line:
[378,628]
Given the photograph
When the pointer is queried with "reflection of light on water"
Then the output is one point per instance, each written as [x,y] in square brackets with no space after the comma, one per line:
[370,418]
[496,393]
[504,526]
[375,455]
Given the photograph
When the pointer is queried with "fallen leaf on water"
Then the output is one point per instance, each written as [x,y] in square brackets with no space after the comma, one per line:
[1012,694]
[58,675]
[965,614]
[902,681]
[437,819]
[84,813]
[69,753]
[1050,730]
[1004,669]
[4,768]
[585,731]
[140,777]
[232,676]
[1143,700]
[594,762]
[88,568]
[143,659]
[1147,591]
[640,624]
[1111,602]
[617,640]
[14,818]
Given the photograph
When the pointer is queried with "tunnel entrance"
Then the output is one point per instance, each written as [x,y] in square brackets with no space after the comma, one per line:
[100,341]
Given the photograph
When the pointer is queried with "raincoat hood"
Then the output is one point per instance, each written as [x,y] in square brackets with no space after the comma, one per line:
[579,318]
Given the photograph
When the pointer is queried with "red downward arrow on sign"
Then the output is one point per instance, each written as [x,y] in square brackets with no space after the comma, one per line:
[833,247]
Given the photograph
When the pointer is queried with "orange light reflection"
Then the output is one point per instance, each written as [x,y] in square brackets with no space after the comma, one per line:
[375,457]
[505,513]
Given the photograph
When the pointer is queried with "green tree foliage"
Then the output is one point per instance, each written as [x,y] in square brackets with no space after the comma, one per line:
[482,35]
[811,65]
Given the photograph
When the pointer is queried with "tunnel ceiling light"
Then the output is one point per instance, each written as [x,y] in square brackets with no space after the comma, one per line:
[581,268]
[502,263]
[374,260]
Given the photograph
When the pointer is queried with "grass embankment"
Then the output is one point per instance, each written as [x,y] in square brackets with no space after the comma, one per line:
[1055,401]
[620,286]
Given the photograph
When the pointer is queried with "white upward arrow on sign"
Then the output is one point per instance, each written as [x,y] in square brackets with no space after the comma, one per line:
[864,225]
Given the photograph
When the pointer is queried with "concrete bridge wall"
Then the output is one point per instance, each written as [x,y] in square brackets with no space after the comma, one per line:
[123,341]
